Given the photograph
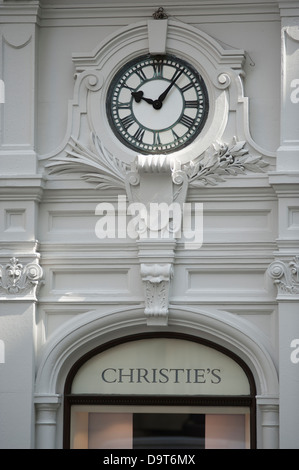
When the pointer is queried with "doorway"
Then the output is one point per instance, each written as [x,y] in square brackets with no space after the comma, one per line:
[98,427]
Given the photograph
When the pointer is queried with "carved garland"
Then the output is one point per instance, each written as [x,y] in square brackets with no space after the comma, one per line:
[222,160]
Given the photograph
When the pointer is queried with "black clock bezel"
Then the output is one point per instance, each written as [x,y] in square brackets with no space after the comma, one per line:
[157,150]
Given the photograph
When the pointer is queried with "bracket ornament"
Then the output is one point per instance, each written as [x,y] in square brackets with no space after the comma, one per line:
[286,276]
[156,278]
[19,280]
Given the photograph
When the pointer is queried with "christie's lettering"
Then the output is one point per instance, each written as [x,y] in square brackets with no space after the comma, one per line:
[142,375]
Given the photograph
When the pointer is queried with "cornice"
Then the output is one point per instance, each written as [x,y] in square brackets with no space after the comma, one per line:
[289,8]
[245,188]
[285,183]
[26,187]
[20,12]
[54,13]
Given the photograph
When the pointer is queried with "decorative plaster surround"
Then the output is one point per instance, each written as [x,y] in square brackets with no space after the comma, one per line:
[223,149]
[221,69]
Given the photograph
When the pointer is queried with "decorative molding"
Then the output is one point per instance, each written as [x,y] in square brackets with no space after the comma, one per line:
[19,42]
[18,280]
[160,14]
[222,160]
[46,407]
[85,332]
[221,68]
[156,278]
[102,12]
[106,171]
[286,277]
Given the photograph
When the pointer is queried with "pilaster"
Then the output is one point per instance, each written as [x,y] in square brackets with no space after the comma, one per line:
[18,44]
[269,409]
[17,331]
[46,410]
[20,193]
[284,269]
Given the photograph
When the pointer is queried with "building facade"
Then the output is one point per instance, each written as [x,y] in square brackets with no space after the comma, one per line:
[149,224]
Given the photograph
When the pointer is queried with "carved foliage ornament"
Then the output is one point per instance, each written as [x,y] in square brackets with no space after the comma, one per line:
[156,278]
[286,276]
[17,279]
[102,169]
[222,160]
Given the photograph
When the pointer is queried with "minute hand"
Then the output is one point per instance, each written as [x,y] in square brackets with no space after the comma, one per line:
[163,95]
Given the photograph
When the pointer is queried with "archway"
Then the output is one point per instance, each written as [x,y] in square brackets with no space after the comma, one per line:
[87,332]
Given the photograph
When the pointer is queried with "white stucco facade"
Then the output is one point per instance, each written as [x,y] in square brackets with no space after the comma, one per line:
[63,290]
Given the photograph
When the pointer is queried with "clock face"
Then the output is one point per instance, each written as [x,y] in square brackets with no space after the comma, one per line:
[157,105]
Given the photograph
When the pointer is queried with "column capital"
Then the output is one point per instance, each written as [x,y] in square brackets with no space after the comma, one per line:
[46,415]
[286,278]
[269,408]
[52,401]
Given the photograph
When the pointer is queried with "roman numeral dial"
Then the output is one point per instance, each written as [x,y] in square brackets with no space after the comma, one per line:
[157,104]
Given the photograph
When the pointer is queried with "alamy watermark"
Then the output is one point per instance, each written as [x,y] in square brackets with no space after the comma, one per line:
[295,353]
[2,352]
[295,92]
[152,221]
[2,91]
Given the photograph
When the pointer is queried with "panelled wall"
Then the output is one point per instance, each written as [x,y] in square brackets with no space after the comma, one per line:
[228,272]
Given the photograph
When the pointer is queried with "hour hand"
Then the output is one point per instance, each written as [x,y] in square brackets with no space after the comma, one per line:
[138,96]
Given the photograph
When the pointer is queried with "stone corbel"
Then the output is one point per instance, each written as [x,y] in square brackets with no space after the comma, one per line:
[286,278]
[156,279]
[18,280]
[157,182]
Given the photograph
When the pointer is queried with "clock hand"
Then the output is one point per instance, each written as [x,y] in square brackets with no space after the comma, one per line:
[163,95]
[138,96]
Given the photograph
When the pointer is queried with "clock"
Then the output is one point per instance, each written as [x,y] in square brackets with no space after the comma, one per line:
[157,104]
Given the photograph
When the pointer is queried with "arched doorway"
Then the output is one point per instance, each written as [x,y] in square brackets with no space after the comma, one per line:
[85,335]
[160,390]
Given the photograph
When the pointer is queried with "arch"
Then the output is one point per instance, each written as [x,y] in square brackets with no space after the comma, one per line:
[82,334]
